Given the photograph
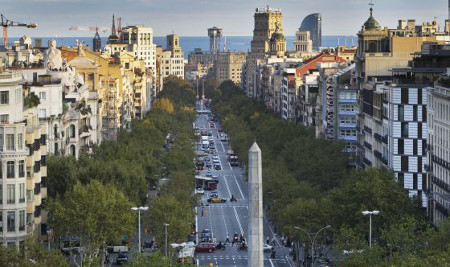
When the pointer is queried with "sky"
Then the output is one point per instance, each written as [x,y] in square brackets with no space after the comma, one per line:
[193,17]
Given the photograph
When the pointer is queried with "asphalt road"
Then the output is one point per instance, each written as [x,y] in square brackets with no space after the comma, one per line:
[228,218]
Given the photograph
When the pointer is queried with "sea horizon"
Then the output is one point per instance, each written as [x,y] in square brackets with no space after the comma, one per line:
[190,43]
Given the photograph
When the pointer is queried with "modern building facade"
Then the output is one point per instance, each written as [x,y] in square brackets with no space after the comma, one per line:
[313,24]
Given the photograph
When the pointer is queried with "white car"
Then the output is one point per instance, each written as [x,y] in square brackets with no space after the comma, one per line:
[267,248]
[199,191]
[215,157]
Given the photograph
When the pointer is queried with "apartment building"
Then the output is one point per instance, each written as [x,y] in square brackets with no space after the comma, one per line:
[228,66]
[172,59]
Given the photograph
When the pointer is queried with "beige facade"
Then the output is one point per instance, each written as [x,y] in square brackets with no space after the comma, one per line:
[266,21]
[229,66]
[172,59]
[303,42]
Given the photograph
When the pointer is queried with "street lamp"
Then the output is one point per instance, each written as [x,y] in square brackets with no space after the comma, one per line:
[139,209]
[312,240]
[370,213]
[165,233]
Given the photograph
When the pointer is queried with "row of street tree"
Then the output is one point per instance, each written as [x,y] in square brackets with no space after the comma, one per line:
[90,199]
[308,184]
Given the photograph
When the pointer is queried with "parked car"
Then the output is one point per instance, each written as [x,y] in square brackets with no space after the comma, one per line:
[121,258]
[205,247]
[217,167]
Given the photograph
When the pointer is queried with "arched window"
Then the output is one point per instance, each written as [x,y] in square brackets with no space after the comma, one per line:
[72,150]
[55,131]
[72,131]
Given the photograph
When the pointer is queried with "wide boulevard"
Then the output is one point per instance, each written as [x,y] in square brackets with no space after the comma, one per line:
[226,219]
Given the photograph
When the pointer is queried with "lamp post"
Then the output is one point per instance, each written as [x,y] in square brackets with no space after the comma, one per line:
[139,209]
[165,233]
[312,239]
[370,213]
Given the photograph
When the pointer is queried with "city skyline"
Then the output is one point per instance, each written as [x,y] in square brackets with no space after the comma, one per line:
[192,18]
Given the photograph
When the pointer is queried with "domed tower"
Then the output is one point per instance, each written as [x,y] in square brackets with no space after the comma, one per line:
[277,42]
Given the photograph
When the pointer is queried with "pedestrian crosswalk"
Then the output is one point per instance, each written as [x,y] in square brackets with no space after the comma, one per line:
[234,257]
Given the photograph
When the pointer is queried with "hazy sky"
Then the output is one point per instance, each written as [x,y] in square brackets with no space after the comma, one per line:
[193,17]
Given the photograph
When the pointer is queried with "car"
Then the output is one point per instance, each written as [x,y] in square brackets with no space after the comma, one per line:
[267,248]
[216,161]
[199,191]
[216,200]
[121,258]
[217,167]
[220,130]
[212,147]
[205,247]
[215,157]
[206,236]
[207,159]
[208,174]
[210,133]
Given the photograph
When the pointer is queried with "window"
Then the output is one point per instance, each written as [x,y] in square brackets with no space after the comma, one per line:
[1,195]
[405,129]
[72,150]
[4,118]
[42,113]
[404,164]
[1,222]
[21,168]
[21,220]
[401,146]
[401,112]
[72,131]
[405,95]
[20,141]
[11,221]
[42,95]
[10,141]
[11,197]
[10,169]
[1,170]
[4,97]
[22,193]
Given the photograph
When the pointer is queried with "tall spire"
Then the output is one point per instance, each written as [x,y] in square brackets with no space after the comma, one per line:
[113,28]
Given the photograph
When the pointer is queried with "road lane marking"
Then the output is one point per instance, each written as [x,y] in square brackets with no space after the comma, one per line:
[226,183]
[239,187]
[224,221]
[287,259]
[271,263]
[238,221]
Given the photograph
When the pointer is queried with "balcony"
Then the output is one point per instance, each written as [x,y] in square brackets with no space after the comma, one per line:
[378,137]
[367,129]
[367,161]
[440,183]
[367,145]
[37,211]
[441,162]
[37,188]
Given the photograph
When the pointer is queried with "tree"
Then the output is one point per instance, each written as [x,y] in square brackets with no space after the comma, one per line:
[164,104]
[62,175]
[96,214]
[155,260]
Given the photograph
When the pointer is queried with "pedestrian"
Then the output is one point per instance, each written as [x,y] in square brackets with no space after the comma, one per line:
[267,240]
[228,240]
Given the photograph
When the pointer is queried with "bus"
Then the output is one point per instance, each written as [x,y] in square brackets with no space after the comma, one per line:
[206,183]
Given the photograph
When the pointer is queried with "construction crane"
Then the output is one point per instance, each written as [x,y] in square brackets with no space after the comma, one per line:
[5,23]
[81,28]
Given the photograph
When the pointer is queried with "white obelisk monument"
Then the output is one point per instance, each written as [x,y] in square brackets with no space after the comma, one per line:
[255,205]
